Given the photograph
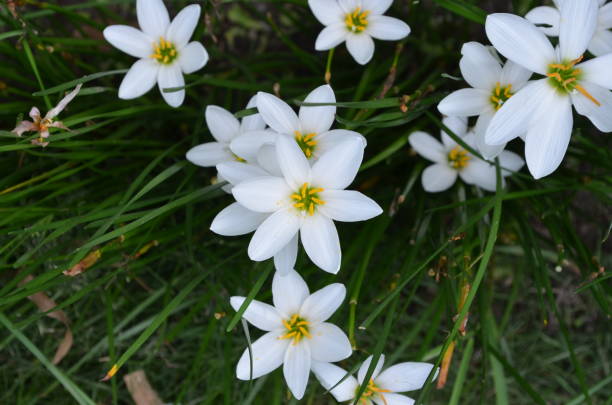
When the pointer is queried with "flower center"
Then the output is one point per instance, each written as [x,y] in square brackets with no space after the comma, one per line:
[165,52]
[306,142]
[297,329]
[357,21]
[501,94]
[565,77]
[238,158]
[370,391]
[307,198]
[458,158]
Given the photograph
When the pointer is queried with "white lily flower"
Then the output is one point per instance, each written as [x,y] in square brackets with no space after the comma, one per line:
[383,387]
[42,124]
[356,22]
[451,159]
[311,128]
[543,108]
[163,49]
[306,200]
[297,331]
[548,20]
[492,85]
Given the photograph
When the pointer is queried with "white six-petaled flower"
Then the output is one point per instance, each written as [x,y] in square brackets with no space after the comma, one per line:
[297,331]
[356,22]
[543,108]
[548,19]
[163,49]
[451,159]
[381,389]
[492,85]
[306,201]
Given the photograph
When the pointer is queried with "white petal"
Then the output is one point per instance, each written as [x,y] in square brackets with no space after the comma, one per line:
[274,234]
[348,206]
[222,124]
[262,316]
[600,116]
[266,158]
[486,150]
[465,103]
[458,126]
[520,41]
[598,71]
[349,5]
[284,260]
[478,66]
[331,36]
[247,145]
[252,122]
[549,136]
[264,194]
[438,177]
[292,162]
[329,343]
[428,147]
[139,79]
[296,368]
[209,154]
[546,18]
[387,28]
[605,17]
[513,119]
[516,75]
[235,220]
[393,399]
[337,168]
[361,47]
[182,27]
[479,173]
[601,43]
[152,17]
[510,161]
[192,57]
[268,355]
[320,239]
[288,293]
[55,111]
[404,377]
[318,119]
[322,304]
[330,139]
[327,12]
[277,114]
[376,7]
[129,40]
[170,77]
[329,375]
[237,172]
[366,364]
[578,24]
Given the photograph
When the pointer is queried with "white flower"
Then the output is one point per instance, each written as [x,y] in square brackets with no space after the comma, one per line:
[163,49]
[42,124]
[297,334]
[543,108]
[236,141]
[493,84]
[311,128]
[548,20]
[356,22]
[383,386]
[306,200]
[452,160]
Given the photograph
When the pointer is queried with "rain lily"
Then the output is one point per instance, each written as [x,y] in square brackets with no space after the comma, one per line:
[548,19]
[451,159]
[163,49]
[297,331]
[306,200]
[492,85]
[543,108]
[311,128]
[356,22]
[42,124]
[383,386]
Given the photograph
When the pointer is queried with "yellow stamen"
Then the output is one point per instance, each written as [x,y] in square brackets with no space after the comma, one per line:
[458,158]
[165,51]
[585,93]
[307,198]
[500,95]
[357,21]
[566,78]
[297,329]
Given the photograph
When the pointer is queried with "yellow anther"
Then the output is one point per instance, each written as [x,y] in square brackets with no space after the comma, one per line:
[458,158]
[372,390]
[357,21]
[585,93]
[307,198]
[306,142]
[500,95]
[297,329]
[566,78]
[165,51]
